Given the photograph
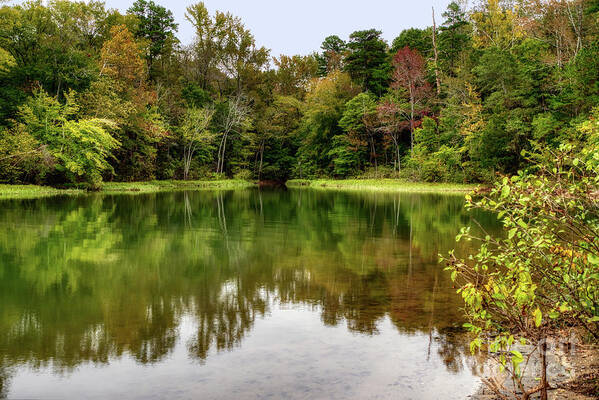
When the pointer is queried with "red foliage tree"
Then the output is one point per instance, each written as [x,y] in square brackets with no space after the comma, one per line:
[410,74]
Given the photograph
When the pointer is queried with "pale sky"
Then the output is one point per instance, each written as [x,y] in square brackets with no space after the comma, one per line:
[299,26]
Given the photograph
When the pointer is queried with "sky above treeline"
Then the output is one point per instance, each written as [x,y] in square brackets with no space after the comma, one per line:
[299,26]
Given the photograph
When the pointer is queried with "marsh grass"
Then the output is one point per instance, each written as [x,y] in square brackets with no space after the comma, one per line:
[170,185]
[383,185]
[33,191]
[387,185]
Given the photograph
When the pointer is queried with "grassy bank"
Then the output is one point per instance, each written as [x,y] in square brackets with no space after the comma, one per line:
[387,185]
[33,191]
[165,186]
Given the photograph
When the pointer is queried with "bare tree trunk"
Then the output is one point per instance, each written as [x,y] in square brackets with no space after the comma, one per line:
[261,159]
[221,165]
[437,78]
[188,152]
[185,163]
[397,154]
[373,155]
[576,22]
[411,119]
[220,150]
[544,369]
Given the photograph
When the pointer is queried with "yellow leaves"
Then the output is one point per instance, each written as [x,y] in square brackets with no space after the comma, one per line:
[472,111]
[496,24]
[563,252]
[538,317]
[121,58]
[329,94]
[6,60]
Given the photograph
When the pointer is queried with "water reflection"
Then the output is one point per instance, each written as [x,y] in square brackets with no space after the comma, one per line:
[91,279]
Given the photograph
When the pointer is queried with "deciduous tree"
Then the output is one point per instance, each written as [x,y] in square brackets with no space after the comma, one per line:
[409,74]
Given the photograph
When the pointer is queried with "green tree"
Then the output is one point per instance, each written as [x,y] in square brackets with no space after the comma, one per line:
[359,122]
[277,138]
[195,134]
[241,58]
[333,51]
[23,159]
[324,107]
[294,74]
[416,39]
[454,37]
[81,146]
[123,95]
[367,61]
[206,51]
[49,46]
[344,156]
[157,26]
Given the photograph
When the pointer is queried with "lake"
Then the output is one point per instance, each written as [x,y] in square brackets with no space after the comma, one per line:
[297,294]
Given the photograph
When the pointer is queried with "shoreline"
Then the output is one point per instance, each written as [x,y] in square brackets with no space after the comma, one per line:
[572,372]
[383,185]
[8,191]
[11,192]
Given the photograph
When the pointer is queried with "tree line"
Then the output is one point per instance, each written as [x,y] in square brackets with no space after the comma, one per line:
[91,94]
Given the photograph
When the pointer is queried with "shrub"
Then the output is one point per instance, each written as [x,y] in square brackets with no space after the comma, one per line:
[244,175]
[544,274]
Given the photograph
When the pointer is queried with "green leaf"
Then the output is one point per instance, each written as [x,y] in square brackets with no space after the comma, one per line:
[512,233]
[517,357]
[538,317]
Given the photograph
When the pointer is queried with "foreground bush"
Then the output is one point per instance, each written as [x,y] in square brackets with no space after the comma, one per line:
[544,274]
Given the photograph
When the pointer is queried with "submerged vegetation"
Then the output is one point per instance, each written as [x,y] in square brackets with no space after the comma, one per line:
[90,95]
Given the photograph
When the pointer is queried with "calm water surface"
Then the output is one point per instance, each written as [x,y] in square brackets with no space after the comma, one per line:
[295,294]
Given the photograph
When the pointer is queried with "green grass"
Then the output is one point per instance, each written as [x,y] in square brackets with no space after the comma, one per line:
[387,185]
[171,185]
[33,191]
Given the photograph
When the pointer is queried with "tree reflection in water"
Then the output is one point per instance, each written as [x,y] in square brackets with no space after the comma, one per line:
[88,279]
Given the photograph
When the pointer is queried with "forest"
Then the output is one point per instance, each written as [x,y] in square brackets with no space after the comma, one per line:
[90,94]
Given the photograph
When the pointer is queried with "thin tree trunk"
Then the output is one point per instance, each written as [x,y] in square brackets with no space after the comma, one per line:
[185,164]
[222,159]
[221,154]
[576,27]
[261,159]
[437,78]
[397,151]
[544,369]
[220,147]
[411,119]
[373,156]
